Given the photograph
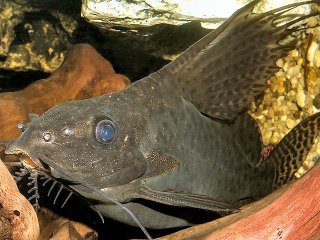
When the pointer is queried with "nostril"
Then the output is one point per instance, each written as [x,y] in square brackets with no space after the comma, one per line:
[22,127]
[47,137]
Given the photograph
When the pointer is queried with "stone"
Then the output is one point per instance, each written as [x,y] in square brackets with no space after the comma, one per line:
[137,14]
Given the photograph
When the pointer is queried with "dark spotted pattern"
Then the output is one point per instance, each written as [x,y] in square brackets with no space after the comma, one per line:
[292,150]
[223,72]
[166,150]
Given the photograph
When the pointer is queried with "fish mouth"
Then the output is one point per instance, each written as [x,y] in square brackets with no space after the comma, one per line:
[39,161]
[29,161]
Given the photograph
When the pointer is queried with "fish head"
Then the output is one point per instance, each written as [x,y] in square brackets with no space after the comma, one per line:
[97,140]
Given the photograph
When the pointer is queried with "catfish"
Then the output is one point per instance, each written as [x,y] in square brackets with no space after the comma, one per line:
[179,137]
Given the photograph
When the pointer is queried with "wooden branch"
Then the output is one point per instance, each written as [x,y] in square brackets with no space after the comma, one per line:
[18,220]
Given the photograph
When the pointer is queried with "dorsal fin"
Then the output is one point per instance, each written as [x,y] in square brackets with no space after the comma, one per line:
[223,72]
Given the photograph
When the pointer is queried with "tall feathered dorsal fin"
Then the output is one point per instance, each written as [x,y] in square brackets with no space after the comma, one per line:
[224,71]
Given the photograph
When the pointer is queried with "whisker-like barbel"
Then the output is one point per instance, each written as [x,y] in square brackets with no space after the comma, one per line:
[51,188]
[67,198]
[95,191]
[179,137]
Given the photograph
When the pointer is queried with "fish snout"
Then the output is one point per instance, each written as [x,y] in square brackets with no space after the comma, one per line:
[21,148]
[18,146]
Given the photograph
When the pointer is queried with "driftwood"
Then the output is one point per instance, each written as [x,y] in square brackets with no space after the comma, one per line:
[18,220]
[55,227]
[83,74]
[292,212]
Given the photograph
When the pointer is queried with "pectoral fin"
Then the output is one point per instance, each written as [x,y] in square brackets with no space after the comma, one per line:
[185,200]
[159,163]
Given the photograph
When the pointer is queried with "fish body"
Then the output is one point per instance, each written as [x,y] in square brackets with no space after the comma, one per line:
[159,140]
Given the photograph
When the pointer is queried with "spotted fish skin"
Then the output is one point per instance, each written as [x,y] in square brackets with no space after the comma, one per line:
[165,146]
[289,153]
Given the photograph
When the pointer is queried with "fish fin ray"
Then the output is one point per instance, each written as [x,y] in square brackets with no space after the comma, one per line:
[289,154]
[185,200]
[224,71]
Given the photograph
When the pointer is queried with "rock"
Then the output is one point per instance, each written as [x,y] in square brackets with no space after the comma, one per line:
[291,212]
[314,46]
[83,74]
[34,36]
[133,14]
[18,220]
[301,98]
[29,42]
[136,14]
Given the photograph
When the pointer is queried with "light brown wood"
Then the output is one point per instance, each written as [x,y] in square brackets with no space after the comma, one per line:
[18,220]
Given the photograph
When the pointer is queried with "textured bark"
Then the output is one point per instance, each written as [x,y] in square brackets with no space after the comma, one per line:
[55,227]
[292,212]
[18,220]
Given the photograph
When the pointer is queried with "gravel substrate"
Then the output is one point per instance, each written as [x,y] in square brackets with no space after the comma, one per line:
[294,92]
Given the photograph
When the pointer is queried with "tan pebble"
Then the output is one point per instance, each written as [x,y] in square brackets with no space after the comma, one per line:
[281,89]
[296,70]
[279,74]
[293,82]
[313,21]
[310,111]
[275,138]
[299,61]
[294,53]
[282,110]
[279,62]
[271,113]
[274,87]
[283,117]
[311,52]
[285,66]
[289,73]
[259,117]
[290,123]
[317,58]
[300,86]
[316,32]
[301,98]
[266,137]
[300,172]
[309,100]
[292,107]
[280,100]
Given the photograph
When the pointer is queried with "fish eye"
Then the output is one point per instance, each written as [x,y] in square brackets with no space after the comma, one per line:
[105,131]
